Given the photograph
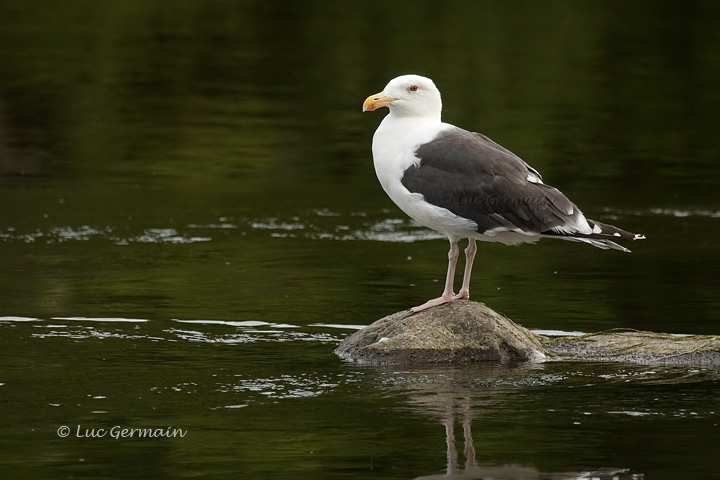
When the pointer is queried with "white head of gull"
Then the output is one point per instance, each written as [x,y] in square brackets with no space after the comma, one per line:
[465,185]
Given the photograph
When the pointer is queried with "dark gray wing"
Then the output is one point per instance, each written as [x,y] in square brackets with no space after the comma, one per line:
[475,178]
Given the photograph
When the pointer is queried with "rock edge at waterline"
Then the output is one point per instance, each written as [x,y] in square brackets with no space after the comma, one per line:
[460,332]
[465,332]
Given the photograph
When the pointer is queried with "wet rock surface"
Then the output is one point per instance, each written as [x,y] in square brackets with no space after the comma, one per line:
[455,333]
[640,347]
[464,332]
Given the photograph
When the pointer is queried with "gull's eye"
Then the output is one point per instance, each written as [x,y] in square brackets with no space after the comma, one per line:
[413,88]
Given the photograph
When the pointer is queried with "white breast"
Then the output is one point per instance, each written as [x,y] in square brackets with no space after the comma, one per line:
[394,146]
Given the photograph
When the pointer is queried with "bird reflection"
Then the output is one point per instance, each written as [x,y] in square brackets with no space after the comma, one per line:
[451,396]
[472,471]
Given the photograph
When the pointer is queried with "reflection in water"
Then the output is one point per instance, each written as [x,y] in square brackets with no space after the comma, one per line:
[452,396]
[471,470]
[234,382]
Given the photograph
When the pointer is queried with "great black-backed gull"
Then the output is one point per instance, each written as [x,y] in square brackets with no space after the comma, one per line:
[465,185]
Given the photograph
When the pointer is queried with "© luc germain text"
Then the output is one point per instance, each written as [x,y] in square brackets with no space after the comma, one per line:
[118,432]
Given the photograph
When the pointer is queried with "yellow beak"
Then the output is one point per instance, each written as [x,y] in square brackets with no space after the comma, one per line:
[373,102]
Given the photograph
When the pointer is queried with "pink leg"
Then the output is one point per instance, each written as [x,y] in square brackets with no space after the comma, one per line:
[464,292]
[447,295]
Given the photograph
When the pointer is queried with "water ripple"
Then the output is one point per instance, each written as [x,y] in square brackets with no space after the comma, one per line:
[319,224]
[284,386]
[191,330]
[85,233]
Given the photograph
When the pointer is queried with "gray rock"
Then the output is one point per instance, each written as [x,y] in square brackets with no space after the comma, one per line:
[464,332]
[633,346]
[460,332]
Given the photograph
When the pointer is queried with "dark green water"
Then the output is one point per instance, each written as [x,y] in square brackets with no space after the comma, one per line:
[190,223]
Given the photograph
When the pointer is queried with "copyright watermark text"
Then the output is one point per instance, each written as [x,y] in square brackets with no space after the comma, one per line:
[118,432]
